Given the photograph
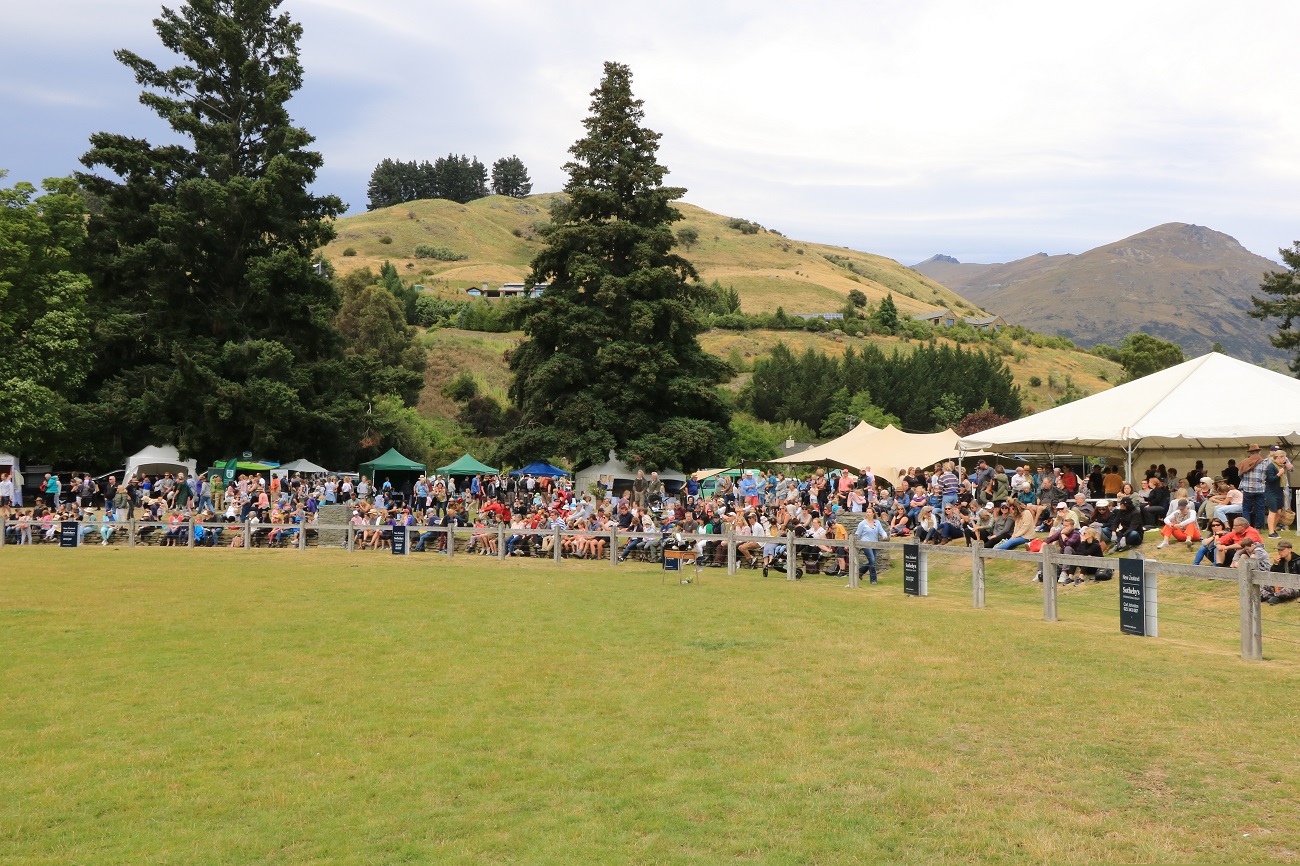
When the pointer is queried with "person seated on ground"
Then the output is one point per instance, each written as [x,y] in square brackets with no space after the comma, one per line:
[1209,542]
[1126,525]
[1180,525]
[1082,508]
[517,526]
[899,525]
[978,528]
[1022,529]
[1232,542]
[1251,549]
[749,549]
[1157,503]
[1286,562]
[926,529]
[1002,525]
[916,504]
[1090,544]
[1067,539]
[276,533]
[950,526]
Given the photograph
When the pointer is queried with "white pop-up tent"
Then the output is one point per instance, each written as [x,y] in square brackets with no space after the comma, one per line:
[621,473]
[157,459]
[1212,406]
[885,451]
[304,467]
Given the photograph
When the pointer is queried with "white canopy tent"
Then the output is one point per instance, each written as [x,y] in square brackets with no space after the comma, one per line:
[620,472]
[303,467]
[887,451]
[157,459]
[827,453]
[1212,406]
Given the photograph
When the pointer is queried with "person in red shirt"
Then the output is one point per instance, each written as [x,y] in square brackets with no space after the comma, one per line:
[1229,543]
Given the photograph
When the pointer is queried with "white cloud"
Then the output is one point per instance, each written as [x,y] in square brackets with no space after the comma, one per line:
[977,129]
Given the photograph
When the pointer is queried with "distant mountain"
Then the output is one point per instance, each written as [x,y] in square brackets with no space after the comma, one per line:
[1184,283]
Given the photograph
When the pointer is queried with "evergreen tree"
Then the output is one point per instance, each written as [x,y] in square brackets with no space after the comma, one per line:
[387,185]
[510,177]
[612,359]
[213,329]
[460,178]
[885,318]
[1284,287]
[44,325]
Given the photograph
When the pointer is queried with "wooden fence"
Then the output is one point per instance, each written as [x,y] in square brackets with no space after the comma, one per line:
[1248,578]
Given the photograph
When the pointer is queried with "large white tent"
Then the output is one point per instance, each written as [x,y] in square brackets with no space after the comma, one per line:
[620,472]
[887,451]
[1210,407]
[828,452]
[157,459]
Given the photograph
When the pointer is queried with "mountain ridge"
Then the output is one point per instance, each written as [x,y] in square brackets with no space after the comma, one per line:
[1181,282]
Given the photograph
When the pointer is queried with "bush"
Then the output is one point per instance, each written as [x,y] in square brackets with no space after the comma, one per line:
[431,312]
[386,239]
[350,251]
[745,227]
[442,254]
[1035,382]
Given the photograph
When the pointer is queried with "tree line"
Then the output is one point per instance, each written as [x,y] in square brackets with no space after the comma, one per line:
[457,178]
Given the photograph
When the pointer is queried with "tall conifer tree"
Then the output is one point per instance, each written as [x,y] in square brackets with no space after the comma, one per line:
[613,359]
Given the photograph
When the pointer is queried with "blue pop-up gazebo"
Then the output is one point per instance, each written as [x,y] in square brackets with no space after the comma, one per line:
[539,469]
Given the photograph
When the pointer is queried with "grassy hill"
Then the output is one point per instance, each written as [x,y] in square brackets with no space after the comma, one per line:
[451,351]
[1183,283]
[499,236]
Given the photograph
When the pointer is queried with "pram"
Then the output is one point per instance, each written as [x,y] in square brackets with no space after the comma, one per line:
[778,563]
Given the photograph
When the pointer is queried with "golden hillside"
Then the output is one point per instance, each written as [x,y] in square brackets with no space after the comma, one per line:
[500,237]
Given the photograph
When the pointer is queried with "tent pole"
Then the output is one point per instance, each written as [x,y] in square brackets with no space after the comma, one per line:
[1128,452]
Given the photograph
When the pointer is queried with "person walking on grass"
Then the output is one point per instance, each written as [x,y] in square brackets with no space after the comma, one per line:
[869,529]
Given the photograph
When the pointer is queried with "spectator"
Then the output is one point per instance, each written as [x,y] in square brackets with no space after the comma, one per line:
[1180,525]
[1003,525]
[1207,548]
[1252,487]
[1276,470]
[1090,544]
[1023,528]
[1157,503]
[1128,525]
[869,529]
[1067,540]
[1231,542]
[1285,563]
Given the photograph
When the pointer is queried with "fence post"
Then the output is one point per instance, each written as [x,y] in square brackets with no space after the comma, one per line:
[854,553]
[248,535]
[501,542]
[731,551]
[190,543]
[613,545]
[302,535]
[791,555]
[555,549]
[352,535]
[977,575]
[1049,586]
[130,533]
[4,530]
[1252,629]
[451,540]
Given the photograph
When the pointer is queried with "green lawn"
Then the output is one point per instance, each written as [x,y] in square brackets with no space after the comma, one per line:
[217,706]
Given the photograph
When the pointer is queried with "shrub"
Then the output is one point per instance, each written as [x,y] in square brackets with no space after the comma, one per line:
[386,239]
[1035,382]
[442,254]
[350,251]
[745,227]
[431,312]
[517,232]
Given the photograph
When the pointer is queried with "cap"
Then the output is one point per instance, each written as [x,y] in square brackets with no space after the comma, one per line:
[987,507]
[1103,503]
[1060,506]
[1284,544]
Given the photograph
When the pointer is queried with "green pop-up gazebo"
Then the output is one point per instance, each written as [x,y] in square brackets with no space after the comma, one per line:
[390,461]
[467,465]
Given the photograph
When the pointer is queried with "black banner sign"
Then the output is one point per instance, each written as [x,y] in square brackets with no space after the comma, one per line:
[912,569]
[1132,597]
[68,534]
[400,536]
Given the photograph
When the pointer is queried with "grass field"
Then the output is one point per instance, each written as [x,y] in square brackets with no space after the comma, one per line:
[173,706]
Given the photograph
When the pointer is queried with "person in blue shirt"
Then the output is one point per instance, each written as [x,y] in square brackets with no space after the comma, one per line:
[870,529]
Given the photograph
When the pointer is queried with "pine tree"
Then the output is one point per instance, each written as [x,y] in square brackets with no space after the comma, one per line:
[213,329]
[612,359]
[510,177]
[886,316]
[1285,287]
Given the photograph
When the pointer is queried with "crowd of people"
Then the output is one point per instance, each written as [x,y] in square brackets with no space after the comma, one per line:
[1223,516]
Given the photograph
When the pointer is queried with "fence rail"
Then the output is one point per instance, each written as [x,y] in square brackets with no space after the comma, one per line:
[1248,578]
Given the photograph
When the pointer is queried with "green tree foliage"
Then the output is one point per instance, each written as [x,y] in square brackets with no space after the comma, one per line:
[406,295]
[904,390]
[1141,355]
[858,299]
[885,318]
[1282,289]
[459,178]
[510,177]
[688,236]
[373,323]
[212,328]
[751,441]
[44,326]
[612,358]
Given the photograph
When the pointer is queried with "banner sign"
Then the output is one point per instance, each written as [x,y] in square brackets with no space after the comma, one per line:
[914,571]
[400,537]
[68,534]
[1132,597]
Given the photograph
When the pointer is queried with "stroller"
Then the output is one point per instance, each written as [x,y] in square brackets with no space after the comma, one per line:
[778,563]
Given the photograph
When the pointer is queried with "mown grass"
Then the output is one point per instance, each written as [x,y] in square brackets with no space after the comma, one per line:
[174,706]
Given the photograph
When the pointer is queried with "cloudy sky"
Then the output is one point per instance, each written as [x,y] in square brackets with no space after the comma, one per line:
[987,131]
